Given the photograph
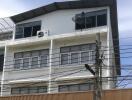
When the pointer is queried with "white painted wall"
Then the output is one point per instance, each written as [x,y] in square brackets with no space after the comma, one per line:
[59,22]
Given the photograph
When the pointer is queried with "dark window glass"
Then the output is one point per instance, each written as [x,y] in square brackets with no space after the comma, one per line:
[64,59]
[15,91]
[24,90]
[34,62]
[44,61]
[35,29]
[90,19]
[18,63]
[1,62]
[80,22]
[42,89]
[26,62]
[90,22]
[85,57]
[27,31]
[74,58]
[76,87]
[102,20]
[29,90]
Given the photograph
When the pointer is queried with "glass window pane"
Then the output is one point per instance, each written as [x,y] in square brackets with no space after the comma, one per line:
[84,87]
[24,90]
[80,21]
[26,54]
[34,62]
[65,49]
[15,91]
[35,53]
[92,56]
[92,46]
[27,31]
[63,88]
[74,58]
[44,61]
[35,29]
[64,59]
[44,52]
[102,20]
[84,47]
[18,55]
[17,63]
[90,21]
[74,88]
[26,63]
[74,48]
[85,57]
[33,90]
[42,89]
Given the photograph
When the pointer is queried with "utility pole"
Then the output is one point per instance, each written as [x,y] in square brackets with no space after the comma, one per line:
[98,70]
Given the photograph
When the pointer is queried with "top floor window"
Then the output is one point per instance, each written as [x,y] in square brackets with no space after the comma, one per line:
[27,29]
[90,19]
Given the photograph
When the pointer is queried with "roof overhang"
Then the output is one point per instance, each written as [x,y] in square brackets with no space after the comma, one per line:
[77,5]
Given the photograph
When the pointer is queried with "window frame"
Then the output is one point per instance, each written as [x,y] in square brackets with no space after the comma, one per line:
[29,55]
[91,14]
[69,53]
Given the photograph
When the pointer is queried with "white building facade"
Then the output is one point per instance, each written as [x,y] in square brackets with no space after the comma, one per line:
[52,44]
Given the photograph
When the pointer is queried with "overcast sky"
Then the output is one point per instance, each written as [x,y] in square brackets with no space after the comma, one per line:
[12,7]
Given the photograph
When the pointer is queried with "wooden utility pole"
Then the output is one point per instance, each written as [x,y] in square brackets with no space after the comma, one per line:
[98,70]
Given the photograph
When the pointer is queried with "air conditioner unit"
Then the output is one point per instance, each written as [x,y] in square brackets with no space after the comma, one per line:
[43,33]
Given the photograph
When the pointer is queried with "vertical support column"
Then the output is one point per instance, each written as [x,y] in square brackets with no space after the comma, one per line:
[3,74]
[4,88]
[50,66]
[109,50]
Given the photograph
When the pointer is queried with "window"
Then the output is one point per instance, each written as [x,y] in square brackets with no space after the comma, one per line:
[64,59]
[42,89]
[85,57]
[1,62]
[35,29]
[34,62]
[90,22]
[18,63]
[76,87]
[44,61]
[78,54]
[74,58]
[27,29]
[28,90]
[101,20]
[31,59]
[90,19]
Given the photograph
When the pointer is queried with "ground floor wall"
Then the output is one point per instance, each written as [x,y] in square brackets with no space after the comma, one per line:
[106,95]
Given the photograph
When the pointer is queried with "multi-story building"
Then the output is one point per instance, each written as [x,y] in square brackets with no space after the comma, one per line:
[52,44]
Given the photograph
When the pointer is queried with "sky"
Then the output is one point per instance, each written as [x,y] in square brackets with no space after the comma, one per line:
[12,7]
